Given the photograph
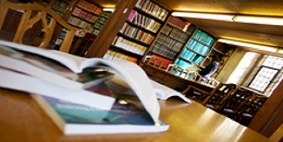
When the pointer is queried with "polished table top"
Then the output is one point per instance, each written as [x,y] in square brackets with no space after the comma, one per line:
[23,120]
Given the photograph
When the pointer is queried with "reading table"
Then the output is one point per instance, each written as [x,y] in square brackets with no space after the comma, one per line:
[23,120]
[171,80]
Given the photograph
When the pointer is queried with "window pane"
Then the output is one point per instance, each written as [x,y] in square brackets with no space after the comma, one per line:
[263,78]
[274,62]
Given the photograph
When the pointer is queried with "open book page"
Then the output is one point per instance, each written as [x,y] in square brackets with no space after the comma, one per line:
[21,82]
[131,73]
[72,62]
[164,92]
[135,78]
[50,70]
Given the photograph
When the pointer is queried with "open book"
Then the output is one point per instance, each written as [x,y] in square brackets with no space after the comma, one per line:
[22,82]
[76,119]
[131,73]
[164,92]
[37,63]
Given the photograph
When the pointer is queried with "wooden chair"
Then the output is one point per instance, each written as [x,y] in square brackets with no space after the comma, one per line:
[195,93]
[212,99]
[34,14]
[152,60]
[250,108]
[235,102]
[175,69]
[218,96]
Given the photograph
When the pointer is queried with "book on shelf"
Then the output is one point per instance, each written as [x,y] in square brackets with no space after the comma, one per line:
[126,116]
[131,73]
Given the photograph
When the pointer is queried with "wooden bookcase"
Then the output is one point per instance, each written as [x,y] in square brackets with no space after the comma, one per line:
[58,6]
[138,32]
[104,15]
[196,49]
[84,16]
[170,41]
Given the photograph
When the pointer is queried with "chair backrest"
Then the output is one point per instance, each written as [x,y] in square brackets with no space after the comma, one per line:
[237,100]
[175,69]
[220,93]
[33,14]
[152,60]
[251,107]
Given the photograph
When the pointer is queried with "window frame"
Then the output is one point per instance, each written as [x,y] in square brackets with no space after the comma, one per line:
[270,81]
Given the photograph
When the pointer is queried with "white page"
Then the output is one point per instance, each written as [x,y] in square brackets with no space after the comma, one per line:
[163,92]
[17,81]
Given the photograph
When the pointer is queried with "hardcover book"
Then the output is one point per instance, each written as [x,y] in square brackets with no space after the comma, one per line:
[76,119]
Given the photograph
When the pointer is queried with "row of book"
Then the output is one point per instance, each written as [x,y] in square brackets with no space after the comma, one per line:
[143,21]
[78,22]
[203,37]
[100,22]
[90,7]
[175,33]
[44,3]
[84,15]
[179,35]
[192,56]
[163,51]
[165,62]
[113,55]
[60,6]
[152,9]
[95,31]
[169,42]
[136,33]
[184,63]
[129,45]
[197,47]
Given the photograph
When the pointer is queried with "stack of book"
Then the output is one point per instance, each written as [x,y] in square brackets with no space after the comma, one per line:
[82,95]
[85,95]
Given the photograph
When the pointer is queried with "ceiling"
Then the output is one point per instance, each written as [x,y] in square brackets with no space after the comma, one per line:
[253,33]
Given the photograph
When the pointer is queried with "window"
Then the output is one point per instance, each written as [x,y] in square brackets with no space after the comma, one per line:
[266,74]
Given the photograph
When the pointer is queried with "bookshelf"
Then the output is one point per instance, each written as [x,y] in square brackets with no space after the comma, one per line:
[82,43]
[60,7]
[139,30]
[104,15]
[196,49]
[170,41]
[84,16]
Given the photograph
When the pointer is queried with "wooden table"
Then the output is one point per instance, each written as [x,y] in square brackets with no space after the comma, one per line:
[23,120]
[171,80]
